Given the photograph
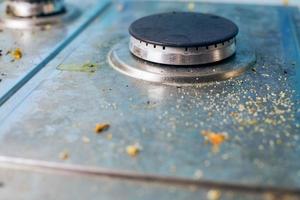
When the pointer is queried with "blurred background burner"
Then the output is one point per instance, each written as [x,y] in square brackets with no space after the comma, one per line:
[30,14]
[183,38]
[34,8]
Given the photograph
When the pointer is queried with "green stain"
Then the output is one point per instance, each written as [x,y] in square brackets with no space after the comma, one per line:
[86,67]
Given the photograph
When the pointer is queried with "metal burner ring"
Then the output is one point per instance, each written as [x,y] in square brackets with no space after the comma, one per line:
[10,21]
[123,61]
[22,8]
[182,56]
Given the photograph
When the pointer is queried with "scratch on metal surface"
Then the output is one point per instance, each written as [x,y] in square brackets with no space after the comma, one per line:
[36,165]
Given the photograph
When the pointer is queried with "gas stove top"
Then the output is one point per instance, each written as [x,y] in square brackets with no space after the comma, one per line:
[189,100]
[164,49]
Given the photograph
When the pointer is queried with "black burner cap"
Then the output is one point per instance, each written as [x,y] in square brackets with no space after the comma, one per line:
[183,29]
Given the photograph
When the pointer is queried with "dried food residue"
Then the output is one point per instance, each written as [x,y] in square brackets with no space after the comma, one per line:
[133,150]
[101,127]
[215,139]
[16,54]
[86,67]
[213,195]
[64,155]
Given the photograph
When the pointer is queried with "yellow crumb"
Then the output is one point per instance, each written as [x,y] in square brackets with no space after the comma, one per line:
[191,6]
[285,2]
[213,195]
[215,139]
[64,155]
[101,127]
[132,150]
[85,139]
[17,54]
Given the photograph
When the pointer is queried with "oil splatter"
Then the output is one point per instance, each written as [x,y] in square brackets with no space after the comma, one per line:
[86,67]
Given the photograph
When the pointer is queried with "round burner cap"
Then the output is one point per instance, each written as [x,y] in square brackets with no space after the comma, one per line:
[183,29]
[183,38]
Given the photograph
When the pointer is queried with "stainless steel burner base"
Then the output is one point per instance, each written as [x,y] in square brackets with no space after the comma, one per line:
[122,60]
[34,8]
[9,21]
[182,56]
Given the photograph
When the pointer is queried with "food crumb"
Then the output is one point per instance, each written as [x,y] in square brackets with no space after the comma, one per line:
[85,139]
[64,155]
[17,54]
[198,174]
[191,6]
[133,150]
[213,195]
[215,139]
[101,127]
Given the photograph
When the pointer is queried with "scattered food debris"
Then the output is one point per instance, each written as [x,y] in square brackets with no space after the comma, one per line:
[213,195]
[17,54]
[216,139]
[64,155]
[101,127]
[85,139]
[133,150]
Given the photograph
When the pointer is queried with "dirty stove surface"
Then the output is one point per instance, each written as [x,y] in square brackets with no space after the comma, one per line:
[38,45]
[56,111]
